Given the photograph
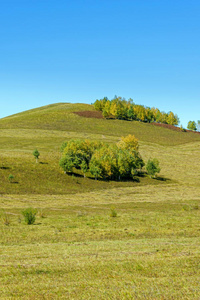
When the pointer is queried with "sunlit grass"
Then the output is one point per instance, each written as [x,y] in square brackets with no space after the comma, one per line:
[76,249]
[87,253]
[61,117]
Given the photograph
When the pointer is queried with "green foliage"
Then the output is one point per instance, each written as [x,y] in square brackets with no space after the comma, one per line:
[152,167]
[172,119]
[192,125]
[121,109]
[95,168]
[103,160]
[10,177]
[78,151]
[36,154]
[29,215]
[66,162]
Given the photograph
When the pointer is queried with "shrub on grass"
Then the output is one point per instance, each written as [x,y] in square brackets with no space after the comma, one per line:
[36,154]
[152,167]
[29,215]
[10,177]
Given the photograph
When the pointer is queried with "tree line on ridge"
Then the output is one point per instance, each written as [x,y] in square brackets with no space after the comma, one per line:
[120,108]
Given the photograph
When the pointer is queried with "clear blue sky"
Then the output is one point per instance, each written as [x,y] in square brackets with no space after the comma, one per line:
[80,50]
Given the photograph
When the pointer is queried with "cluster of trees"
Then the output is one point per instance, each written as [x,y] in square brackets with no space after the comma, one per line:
[192,125]
[120,108]
[121,160]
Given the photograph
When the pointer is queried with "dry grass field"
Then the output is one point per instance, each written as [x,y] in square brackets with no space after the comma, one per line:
[76,249]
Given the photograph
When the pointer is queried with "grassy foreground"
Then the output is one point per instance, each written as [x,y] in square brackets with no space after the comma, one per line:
[76,249]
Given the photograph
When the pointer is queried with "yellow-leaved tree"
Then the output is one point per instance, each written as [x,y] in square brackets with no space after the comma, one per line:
[129,143]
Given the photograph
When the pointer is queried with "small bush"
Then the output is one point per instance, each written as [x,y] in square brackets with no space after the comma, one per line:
[36,154]
[10,177]
[152,167]
[113,213]
[29,215]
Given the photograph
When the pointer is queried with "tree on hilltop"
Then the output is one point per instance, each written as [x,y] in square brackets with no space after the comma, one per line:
[192,125]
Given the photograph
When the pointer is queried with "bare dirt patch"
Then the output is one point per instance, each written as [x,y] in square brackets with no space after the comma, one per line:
[172,127]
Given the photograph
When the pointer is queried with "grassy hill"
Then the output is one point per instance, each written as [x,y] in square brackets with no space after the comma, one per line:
[47,127]
[61,117]
[76,250]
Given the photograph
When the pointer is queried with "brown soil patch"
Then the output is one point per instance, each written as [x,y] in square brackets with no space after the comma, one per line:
[172,127]
[89,114]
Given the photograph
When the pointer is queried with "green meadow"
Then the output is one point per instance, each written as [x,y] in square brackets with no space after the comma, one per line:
[77,249]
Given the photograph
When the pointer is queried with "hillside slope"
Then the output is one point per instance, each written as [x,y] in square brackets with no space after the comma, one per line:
[150,250]
[46,128]
[61,117]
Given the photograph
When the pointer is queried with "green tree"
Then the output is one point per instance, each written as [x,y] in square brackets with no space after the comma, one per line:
[66,163]
[10,177]
[78,150]
[152,167]
[36,154]
[172,119]
[192,125]
[102,160]
[106,109]
[119,108]
[130,113]
[95,168]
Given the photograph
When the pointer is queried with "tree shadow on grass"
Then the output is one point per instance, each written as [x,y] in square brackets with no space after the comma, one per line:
[135,179]
[159,178]
[75,175]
